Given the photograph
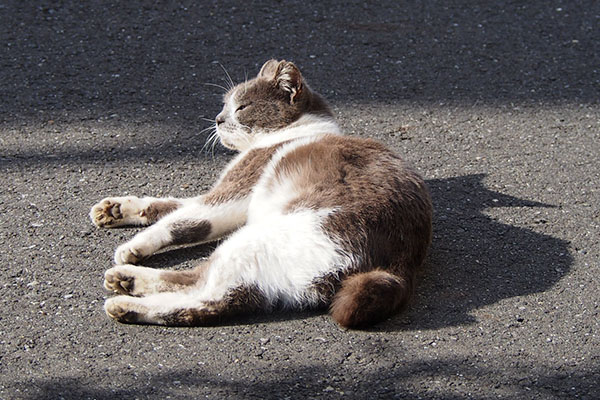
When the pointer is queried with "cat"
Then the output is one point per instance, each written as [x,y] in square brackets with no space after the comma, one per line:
[309,217]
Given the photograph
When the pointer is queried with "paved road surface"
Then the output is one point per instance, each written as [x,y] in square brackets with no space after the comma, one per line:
[496,104]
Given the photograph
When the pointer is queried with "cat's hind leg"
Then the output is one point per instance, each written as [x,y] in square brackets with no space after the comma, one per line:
[138,281]
[113,212]
[181,308]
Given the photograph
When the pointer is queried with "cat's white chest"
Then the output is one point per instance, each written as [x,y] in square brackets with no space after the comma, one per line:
[270,197]
[275,189]
[270,201]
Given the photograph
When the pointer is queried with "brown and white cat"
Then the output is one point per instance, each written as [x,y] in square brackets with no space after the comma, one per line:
[311,218]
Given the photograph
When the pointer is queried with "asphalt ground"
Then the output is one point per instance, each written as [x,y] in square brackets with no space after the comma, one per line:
[496,104]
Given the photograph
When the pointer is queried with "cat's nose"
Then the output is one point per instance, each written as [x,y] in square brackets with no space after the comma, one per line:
[220,119]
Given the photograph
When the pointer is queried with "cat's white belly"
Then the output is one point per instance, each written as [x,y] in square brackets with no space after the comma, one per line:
[281,255]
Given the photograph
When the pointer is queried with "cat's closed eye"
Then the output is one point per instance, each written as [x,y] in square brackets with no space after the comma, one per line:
[241,107]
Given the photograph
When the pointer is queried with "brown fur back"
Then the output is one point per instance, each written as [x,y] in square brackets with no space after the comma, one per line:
[383,218]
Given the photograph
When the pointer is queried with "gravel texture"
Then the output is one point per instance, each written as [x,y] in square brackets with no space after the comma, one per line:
[496,104]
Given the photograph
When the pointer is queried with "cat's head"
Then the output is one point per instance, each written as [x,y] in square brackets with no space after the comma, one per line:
[276,98]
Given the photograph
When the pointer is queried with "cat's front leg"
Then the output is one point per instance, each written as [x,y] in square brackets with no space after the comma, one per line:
[113,212]
[194,223]
[173,230]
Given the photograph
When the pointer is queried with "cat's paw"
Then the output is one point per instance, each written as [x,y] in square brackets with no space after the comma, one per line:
[119,281]
[128,254]
[120,308]
[132,280]
[106,213]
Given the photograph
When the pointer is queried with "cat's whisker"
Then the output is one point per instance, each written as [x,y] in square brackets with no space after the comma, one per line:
[211,142]
[217,86]
[229,80]
[210,137]
[228,84]
[215,141]
[206,129]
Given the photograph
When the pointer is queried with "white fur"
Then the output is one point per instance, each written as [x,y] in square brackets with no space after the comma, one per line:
[225,218]
[233,134]
[306,126]
[131,208]
[281,255]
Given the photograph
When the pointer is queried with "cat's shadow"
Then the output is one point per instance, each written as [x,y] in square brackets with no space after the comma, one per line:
[474,260]
[181,258]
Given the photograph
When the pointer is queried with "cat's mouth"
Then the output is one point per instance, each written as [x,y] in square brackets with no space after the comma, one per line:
[226,141]
[232,138]
[229,145]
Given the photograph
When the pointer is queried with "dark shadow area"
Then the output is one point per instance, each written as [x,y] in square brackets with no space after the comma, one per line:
[172,257]
[475,260]
[148,61]
[320,381]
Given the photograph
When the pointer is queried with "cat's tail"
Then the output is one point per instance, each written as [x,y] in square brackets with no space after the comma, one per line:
[370,297]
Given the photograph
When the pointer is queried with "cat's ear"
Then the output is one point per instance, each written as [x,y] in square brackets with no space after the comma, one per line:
[268,69]
[289,79]
[286,76]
